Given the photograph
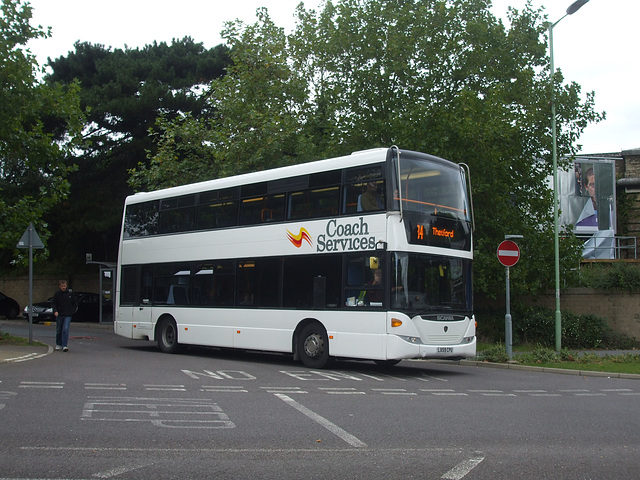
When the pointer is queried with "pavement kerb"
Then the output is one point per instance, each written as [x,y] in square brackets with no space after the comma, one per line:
[22,353]
[562,371]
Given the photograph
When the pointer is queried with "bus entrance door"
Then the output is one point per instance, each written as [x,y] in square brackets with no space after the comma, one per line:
[142,320]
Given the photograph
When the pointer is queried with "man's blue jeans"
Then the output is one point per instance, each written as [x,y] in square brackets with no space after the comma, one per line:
[62,330]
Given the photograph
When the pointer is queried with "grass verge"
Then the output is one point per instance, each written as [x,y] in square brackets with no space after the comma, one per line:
[593,361]
[9,340]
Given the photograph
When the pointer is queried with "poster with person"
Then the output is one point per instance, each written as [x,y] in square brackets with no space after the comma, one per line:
[587,204]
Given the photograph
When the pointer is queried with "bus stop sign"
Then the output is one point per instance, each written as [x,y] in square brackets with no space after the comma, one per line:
[508,253]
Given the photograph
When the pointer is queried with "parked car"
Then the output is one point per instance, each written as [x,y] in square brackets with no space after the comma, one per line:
[88,309]
[9,307]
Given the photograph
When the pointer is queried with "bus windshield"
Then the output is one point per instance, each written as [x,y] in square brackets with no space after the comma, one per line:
[432,187]
[424,284]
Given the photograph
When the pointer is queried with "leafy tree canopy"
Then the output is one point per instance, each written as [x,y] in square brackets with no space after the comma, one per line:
[40,126]
[440,76]
[125,92]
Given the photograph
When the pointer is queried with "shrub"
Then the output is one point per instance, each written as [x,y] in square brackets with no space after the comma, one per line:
[616,276]
[583,331]
[496,353]
[490,325]
[535,325]
[540,355]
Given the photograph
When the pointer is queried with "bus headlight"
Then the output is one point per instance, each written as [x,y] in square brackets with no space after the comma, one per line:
[411,339]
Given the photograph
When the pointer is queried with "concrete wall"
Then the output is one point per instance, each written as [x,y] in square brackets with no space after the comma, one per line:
[621,310]
[44,286]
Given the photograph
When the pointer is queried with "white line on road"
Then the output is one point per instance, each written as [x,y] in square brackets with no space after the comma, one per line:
[114,472]
[105,386]
[341,391]
[223,389]
[393,391]
[165,388]
[463,468]
[41,385]
[344,435]
[288,390]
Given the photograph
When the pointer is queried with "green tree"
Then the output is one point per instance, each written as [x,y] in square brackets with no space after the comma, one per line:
[125,92]
[441,76]
[40,126]
[258,114]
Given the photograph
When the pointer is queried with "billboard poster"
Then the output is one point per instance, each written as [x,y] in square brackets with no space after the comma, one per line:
[588,204]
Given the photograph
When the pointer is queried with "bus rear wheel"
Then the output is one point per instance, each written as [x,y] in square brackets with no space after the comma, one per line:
[168,336]
[313,346]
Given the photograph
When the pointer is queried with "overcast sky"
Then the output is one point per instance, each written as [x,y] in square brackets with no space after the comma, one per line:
[596,47]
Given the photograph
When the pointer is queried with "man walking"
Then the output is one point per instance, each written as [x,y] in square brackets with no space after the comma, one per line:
[64,306]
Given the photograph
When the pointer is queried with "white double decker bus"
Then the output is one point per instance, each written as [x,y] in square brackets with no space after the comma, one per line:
[366,256]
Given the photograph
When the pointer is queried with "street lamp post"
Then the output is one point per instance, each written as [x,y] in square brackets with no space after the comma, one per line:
[573,8]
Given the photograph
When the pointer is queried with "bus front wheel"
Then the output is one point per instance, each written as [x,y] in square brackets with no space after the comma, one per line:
[168,336]
[313,346]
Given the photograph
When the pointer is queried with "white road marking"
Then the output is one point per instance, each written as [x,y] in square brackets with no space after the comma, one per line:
[433,378]
[105,386]
[114,472]
[165,388]
[463,468]
[223,389]
[288,390]
[341,391]
[393,391]
[220,375]
[339,432]
[41,385]
[161,412]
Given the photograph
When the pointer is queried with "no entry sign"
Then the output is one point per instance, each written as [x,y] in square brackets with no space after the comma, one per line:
[508,253]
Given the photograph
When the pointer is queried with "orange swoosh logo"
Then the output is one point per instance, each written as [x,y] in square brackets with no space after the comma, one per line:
[297,239]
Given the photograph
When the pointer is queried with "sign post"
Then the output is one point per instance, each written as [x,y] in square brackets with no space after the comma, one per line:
[508,255]
[30,240]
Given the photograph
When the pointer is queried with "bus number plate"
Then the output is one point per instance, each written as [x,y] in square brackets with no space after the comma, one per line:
[445,349]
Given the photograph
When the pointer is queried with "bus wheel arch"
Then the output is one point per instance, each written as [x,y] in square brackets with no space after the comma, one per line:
[167,334]
[311,344]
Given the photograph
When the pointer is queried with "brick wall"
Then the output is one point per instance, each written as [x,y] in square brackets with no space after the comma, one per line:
[630,169]
[621,310]
[44,286]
